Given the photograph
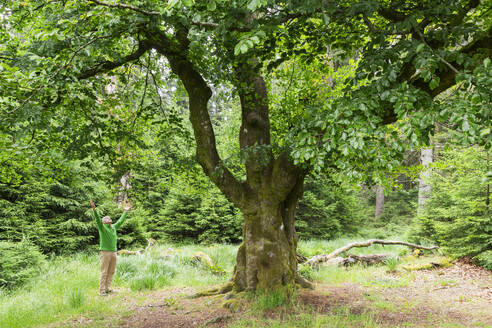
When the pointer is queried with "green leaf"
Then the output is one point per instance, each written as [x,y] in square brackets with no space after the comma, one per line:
[326,19]
[485,132]
[211,5]
[188,3]
[243,47]
[254,4]
[420,47]
[434,83]
[486,62]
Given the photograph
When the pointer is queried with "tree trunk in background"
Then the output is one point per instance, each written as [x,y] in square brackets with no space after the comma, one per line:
[487,195]
[122,196]
[379,201]
[426,158]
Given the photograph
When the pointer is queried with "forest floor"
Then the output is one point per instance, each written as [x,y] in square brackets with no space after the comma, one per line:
[152,290]
[456,296]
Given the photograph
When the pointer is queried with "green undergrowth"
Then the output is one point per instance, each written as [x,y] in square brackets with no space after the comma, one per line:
[340,317]
[66,288]
[313,247]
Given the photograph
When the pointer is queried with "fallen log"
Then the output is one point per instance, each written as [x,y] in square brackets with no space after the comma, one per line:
[317,259]
[150,242]
[352,259]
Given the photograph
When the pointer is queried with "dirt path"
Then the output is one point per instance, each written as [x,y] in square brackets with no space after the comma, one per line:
[458,296]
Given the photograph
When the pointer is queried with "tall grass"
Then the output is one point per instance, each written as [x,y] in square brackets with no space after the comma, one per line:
[61,290]
[68,286]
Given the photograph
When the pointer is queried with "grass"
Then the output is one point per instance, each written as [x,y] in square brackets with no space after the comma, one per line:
[267,300]
[340,319]
[67,287]
[76,298]
[391,263]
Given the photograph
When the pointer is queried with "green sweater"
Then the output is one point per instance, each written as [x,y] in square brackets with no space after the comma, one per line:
[107,233]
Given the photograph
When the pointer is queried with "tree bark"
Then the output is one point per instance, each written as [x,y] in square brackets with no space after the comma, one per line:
[267,257]
[268,198]
[379,201]
[426,158]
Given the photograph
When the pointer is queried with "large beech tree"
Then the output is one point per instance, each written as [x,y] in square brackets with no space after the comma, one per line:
[57,56]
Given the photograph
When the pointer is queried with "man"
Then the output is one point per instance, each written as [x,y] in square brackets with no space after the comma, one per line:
[107,247]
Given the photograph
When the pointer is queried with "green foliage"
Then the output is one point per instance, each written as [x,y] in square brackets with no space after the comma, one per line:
[484,259]
[457,215]
[196,211]
[19,262]
[326,209]
[398,212]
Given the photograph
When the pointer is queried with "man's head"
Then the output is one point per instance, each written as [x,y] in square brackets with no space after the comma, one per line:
[107,220]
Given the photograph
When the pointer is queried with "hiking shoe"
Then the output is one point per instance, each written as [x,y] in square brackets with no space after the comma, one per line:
[103,294]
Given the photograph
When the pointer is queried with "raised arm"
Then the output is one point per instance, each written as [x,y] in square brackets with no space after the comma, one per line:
[122,219]
[96,216]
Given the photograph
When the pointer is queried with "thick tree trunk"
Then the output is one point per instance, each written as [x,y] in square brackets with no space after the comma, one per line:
[267,257]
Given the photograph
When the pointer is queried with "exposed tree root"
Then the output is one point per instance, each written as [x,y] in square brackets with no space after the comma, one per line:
[150,242]
[303,282]
[316,260]
[215,291]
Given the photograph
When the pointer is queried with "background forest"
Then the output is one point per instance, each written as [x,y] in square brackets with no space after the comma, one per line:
[247,134]
[44,197]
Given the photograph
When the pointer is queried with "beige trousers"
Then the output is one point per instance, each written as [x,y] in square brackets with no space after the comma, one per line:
[108,267]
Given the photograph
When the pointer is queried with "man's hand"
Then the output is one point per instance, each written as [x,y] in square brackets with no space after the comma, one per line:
[126,206]
[92,205]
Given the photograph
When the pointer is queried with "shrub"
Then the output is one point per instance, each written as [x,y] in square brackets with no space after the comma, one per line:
[485,259]
[18,263]
[326,210]
[306,271]
[456,214]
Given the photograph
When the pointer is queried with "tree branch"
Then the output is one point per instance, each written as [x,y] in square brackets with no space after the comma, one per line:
[106,66]
[391,15]
[199,94]
[315,260]
[127,7]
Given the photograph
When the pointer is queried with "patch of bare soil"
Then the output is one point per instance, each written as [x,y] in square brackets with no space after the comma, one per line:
[462,292]
[172,309]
